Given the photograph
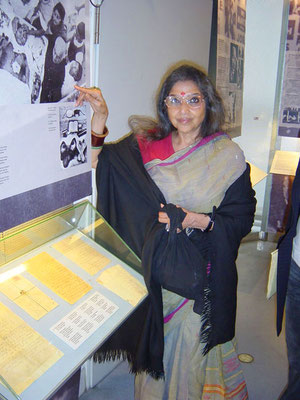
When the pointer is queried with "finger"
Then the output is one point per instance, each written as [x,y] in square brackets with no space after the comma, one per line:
[88,93]
[163,218]
[80,100]
[97,103]
[163,215]
[81,97]
[93,91]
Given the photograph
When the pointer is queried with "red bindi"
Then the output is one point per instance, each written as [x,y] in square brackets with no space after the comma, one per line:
[182,93]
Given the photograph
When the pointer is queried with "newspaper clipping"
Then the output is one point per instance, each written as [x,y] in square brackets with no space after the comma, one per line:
[289,116]
[230,60]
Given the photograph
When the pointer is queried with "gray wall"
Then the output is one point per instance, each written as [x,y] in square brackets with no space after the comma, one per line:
[140,39]
[263,31]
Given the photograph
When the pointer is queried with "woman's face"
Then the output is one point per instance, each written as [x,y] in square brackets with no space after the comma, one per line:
[21,35]
[56,18]
[185,119]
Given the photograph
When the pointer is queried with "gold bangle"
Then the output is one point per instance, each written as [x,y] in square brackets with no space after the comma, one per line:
[100,135]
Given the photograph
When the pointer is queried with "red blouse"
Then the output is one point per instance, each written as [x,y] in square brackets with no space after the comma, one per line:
[150,150]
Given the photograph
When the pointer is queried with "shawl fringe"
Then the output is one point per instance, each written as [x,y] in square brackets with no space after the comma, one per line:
[123,355]
[206,327]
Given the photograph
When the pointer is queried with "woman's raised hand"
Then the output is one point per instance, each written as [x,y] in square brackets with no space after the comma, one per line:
[94,97]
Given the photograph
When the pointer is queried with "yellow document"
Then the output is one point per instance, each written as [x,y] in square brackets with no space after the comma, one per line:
[24,354]
[27,296]
[14,244]
[57,277]
[285,162]
[121,282]
[82,254]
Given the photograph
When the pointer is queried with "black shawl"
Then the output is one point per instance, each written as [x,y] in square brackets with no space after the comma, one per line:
[129,200]
[285,247]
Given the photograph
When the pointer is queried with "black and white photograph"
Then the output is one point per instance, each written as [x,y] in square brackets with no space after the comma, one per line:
[231,117]
[42,50]
[294,7]
[233,70]
[241,19]
[231,20]
[291,30]
[240,68]
[73,142]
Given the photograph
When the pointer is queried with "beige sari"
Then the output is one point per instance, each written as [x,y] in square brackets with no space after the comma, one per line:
[195,178]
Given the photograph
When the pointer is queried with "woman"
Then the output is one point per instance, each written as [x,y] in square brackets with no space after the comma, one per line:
[185,330]
[55,58]
[55,26]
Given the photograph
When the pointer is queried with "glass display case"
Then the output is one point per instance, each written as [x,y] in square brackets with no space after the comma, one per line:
[67,282]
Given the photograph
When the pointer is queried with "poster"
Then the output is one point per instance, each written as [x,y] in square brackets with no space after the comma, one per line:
[45,161]
[230,52]
[289,114]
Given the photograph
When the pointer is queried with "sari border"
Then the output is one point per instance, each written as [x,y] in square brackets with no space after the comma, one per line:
[202,142]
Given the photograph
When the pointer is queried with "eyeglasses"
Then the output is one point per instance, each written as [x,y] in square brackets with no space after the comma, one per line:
[192,100]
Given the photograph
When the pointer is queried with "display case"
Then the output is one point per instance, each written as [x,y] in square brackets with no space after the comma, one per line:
[66,283]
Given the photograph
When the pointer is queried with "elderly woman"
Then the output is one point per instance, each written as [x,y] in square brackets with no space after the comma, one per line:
[178,192]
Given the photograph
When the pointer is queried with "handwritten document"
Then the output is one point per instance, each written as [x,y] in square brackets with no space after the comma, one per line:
[57,277]
[80,323]
[121,282]
[82,254]
[24,354]
[27,296]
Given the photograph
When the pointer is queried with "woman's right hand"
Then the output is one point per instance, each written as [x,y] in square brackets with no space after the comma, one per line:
[94,97]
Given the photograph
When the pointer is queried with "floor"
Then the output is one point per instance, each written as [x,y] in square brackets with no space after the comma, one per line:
[266,376]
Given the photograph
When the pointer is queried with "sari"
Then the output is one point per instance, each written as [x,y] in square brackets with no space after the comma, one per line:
[195,178]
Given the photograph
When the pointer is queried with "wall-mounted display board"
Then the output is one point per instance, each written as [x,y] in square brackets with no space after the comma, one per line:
[66,284]
[44,140]
[227,54]
[289,114]
[285,143]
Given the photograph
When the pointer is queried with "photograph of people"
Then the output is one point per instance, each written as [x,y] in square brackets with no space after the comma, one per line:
[233,71]
[51,35]
[177,190]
